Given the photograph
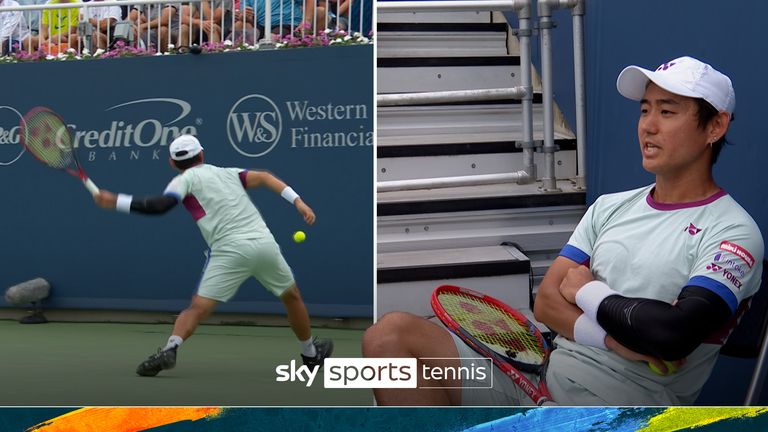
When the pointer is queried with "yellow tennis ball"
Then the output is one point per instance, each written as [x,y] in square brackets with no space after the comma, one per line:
[670,368]
[299,236]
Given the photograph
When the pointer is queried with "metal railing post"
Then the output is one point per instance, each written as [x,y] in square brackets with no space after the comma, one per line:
[548,180]
[266,42]
[580,84]
[526,81]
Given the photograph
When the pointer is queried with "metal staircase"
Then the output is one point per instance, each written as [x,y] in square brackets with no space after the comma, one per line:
[448,204]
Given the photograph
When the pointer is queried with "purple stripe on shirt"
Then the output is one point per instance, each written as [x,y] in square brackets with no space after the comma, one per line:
[193,207]
[677,206]
[244,178]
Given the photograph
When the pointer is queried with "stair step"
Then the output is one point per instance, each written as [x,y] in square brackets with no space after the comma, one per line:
[432,17]
[440,44]
[472,198]
[404,75]
[459,149]
[452,124]
[426,167]
[460,28]
[405,280]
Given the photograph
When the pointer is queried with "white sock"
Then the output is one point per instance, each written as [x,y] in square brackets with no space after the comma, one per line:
[173,341]
[308,347]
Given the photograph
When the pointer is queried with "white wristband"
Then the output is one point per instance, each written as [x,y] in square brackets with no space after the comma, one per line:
[590,295]
[123,203]
[289,194]
[588,332]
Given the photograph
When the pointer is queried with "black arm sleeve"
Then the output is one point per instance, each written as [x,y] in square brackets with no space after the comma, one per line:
[658,329]
[156,205]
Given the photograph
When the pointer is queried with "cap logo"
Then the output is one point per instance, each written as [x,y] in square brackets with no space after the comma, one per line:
[665,66]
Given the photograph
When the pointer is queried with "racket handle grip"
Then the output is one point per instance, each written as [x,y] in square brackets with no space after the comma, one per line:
[91,186]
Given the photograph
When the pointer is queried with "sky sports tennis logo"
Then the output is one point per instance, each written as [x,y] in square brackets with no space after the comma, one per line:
[392,373]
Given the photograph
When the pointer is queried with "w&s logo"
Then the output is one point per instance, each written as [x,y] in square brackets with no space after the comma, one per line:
[254,125]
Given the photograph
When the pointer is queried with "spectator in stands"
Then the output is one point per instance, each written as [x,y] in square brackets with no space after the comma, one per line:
[33,17]
[202,16]
[336,15]
[14,31]
[58,27]
[286,15]
[103,20]
[158,20]
[243,30]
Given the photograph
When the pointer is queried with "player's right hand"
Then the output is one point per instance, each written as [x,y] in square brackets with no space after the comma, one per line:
[105,199]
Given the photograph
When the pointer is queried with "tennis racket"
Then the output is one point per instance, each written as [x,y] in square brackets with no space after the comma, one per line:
[47,137]
[496,331]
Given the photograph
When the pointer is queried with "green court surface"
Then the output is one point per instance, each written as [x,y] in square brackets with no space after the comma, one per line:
[93,364]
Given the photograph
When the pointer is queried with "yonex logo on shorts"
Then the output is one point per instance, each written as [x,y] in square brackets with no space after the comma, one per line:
[738,251]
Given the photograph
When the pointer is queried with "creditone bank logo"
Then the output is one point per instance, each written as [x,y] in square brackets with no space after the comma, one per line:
[254,125]
[147,132]
[10,142]
[131,134]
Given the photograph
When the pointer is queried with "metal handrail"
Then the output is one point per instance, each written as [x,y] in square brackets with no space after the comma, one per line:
[446,182]
[524,92]
[451,6]
[450,96]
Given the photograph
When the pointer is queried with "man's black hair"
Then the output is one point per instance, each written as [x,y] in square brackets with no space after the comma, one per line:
[188,163]
[706,112]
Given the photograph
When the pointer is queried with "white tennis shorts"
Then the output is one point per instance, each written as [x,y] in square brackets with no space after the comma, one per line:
[229,265]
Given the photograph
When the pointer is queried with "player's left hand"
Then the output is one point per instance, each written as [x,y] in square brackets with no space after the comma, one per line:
[628,354]
[105,199]
[573,281]
[306,211]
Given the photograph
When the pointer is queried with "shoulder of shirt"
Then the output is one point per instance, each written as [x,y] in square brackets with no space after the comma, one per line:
[729,212]
[618,198]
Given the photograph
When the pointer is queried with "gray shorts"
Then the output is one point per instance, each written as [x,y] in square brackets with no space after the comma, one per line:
[504,391]
[229,265]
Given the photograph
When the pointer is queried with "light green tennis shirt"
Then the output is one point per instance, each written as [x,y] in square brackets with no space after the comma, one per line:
[643,248]
[217,200]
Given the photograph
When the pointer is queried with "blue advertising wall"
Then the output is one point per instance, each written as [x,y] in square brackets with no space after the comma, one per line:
[306,115]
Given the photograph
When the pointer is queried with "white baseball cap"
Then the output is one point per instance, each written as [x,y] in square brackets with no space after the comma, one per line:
[185,147]
[684,76]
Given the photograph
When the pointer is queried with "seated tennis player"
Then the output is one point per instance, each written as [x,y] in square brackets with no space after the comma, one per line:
[240,245]
[653,276]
